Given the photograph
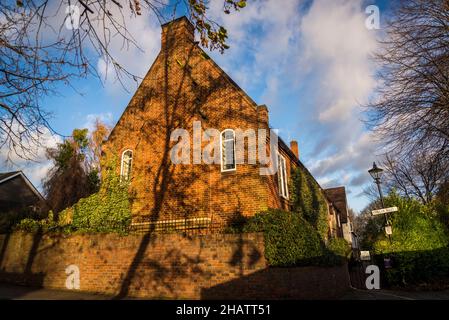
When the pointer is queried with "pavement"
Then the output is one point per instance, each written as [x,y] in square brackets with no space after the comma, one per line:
[14,292]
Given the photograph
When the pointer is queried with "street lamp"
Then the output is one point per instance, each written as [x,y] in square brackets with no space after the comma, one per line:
[376,173]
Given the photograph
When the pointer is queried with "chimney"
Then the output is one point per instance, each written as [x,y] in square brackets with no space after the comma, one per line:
[178,30]
[294,148]
[262,116]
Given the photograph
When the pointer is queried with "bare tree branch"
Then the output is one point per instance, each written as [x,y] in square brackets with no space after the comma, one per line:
[411,111]
[44,44]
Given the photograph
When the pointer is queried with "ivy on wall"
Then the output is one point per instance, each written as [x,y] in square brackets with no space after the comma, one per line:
[290,240]
[308,200]
[108,210]
[105,211]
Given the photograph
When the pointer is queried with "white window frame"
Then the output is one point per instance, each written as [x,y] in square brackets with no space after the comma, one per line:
[282,176]
[221,150]
[130,167]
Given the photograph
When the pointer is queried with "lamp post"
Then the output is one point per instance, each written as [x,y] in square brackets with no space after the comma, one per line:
[376,173]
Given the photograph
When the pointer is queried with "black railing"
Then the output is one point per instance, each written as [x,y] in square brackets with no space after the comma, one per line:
[188,226]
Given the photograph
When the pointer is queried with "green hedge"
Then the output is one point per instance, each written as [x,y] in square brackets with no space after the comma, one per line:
[416,267]
[290,240]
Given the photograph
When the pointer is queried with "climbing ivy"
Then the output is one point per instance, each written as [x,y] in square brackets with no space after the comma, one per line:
[108,210]
[308,200]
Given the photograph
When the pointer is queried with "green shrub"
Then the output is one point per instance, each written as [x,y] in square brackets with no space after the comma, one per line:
[416,267]
[308,200]
[339,247]
[33,225]
[28,225]
[415,228]
[290,240]
[419,243]
[338,251]
[442,211]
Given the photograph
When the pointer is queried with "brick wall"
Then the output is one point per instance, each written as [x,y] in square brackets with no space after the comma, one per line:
[164,266]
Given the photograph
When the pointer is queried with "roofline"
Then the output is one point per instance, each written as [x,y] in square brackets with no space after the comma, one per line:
[10,177]
[27,181]
[285,147]
[177,19]
[133,97]
[346,201]
[225,75]
[333,188]
[231,81]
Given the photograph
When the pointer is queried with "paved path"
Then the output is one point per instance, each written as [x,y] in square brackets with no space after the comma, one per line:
[8,292]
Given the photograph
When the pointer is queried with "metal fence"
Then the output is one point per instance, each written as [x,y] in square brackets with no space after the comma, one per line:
[189,226]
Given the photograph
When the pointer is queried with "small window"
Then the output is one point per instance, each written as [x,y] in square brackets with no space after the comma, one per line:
[127,160]
[228,150]
[282,177]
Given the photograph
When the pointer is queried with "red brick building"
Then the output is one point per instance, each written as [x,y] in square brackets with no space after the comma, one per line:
[182,86]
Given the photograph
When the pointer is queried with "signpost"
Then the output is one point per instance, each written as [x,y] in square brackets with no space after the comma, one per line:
[365,256]
[383,211]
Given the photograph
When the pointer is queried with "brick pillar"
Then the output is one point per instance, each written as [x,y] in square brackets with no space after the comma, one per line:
[262,116]
[178,30]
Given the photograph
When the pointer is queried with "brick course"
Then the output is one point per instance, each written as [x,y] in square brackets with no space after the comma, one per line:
[171,266]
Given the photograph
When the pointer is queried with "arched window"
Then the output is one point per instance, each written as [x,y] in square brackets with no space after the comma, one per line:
[127,161]
[228,150]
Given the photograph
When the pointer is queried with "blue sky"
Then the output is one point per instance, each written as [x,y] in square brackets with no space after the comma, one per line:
[308,61]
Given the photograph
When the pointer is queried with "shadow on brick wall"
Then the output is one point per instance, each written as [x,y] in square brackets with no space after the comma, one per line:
[284,283]
[27,277]
[170,188]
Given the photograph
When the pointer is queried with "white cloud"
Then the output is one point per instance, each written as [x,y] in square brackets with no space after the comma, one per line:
[37,169]
[262,43]
[339,45]
[107,118]
[337,52]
